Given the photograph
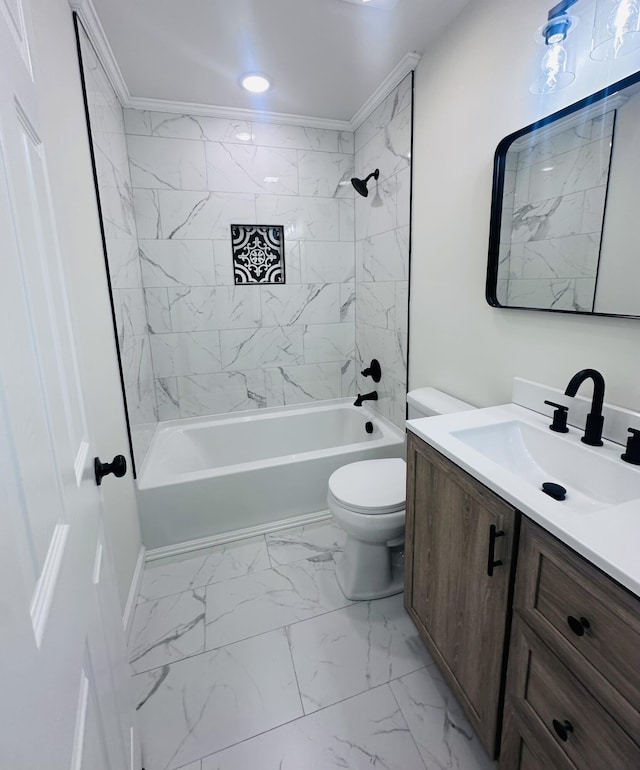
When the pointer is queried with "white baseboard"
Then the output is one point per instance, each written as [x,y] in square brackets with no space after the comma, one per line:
[238,534]
[134,590]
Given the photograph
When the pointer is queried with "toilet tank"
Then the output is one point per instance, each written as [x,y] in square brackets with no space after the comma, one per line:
[428,402]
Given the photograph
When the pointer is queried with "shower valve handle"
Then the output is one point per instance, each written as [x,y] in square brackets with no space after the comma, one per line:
[374,371]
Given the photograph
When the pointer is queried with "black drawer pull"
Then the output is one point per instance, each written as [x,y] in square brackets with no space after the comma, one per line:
[562,730]
[492,561]
[578,626]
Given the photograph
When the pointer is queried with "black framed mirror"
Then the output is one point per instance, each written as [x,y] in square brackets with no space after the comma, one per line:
[566,197]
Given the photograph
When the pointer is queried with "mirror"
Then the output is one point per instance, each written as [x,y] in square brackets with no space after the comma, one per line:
[565,209]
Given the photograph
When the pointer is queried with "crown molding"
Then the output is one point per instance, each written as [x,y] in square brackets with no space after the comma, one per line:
[408,63]
[104,52]
[236,113]
[95,31]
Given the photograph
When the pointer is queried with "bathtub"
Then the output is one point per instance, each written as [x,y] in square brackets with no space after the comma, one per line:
[209,476]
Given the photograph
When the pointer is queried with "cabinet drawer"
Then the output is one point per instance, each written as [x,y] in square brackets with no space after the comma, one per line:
[576,608]
[547,696]
[525,746]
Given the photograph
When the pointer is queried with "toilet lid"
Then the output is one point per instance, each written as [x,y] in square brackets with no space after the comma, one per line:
[371,486]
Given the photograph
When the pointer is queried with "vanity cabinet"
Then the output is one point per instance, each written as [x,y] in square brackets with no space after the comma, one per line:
[459,544]
[573,682]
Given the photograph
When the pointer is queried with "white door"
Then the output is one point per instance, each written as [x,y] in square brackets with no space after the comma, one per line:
[64,681]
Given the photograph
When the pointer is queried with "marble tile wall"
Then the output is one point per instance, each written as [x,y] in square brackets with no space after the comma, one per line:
[553,215]
[116,201]
[382,222]
[216,347]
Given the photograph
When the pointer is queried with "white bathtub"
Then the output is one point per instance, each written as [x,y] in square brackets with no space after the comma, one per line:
[208,476]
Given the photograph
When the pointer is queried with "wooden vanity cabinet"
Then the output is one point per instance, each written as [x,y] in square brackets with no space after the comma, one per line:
[573,682]
[459,545]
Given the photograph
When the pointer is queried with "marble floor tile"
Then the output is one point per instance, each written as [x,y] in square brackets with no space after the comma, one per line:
[177,574]
[354,649]
[206,703]
[364,732]
[167,629]
[291,545]
[444,737]
[271,599]
[192,766]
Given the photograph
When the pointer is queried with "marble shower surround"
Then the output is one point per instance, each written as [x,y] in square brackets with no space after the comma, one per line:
[217,347]
[382,249]
[121,238]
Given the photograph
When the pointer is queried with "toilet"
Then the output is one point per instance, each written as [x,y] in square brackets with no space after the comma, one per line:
[367,499]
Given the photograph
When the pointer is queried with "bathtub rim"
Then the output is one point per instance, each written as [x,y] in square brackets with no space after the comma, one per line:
[391,435]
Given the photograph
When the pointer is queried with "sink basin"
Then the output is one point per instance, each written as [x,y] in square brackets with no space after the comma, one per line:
[593,478]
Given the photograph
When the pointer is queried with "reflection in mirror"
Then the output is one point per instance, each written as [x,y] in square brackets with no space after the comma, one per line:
[566,198]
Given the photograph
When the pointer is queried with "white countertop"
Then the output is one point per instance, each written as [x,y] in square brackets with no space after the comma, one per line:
[609,537]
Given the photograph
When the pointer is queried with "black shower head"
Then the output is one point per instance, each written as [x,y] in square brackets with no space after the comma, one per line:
[361,184]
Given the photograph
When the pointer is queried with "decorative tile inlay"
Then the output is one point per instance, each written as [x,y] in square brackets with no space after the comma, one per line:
[258,253]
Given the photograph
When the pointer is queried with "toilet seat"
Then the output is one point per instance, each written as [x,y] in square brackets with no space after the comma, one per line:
[370,487]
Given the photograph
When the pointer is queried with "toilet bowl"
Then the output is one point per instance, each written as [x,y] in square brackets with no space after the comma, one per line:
[367,499]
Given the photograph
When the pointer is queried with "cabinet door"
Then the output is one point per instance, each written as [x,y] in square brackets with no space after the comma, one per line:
[460,610]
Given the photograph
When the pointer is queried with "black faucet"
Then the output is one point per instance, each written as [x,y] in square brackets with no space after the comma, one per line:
[595,420]
[373,396]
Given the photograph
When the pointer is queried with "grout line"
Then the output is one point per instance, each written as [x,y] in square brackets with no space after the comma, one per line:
[295,671]
[302,717]
[247,638]
[404,719]
[280,628]
[203,585]
[266,545]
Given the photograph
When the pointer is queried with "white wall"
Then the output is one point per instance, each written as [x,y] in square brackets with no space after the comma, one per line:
[66,144]
[471,91]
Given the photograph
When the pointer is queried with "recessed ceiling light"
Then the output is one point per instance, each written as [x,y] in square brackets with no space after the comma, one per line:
[271,179]
[257,84]
[243,136]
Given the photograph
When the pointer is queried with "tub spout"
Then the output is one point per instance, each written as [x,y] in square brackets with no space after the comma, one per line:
[373,396]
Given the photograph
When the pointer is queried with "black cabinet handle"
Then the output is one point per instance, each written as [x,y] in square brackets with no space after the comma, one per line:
[562,729]
[118,466]
[492,561]
[578,625]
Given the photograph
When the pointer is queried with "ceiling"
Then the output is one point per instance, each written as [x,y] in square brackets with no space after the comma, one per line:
[325,58]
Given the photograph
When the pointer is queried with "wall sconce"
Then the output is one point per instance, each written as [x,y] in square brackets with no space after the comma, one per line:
[556,70]
[616,29]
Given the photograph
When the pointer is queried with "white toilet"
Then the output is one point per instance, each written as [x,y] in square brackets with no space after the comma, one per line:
[367,499]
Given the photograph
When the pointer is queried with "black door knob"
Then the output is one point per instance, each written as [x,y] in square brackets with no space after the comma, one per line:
[578,625]
[118,467]
[562,729]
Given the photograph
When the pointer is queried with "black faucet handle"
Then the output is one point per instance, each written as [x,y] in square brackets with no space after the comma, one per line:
[559,424]
[632,455]
[373,370]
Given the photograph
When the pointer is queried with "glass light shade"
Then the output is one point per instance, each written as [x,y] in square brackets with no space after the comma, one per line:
[555,72]
[616,29]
